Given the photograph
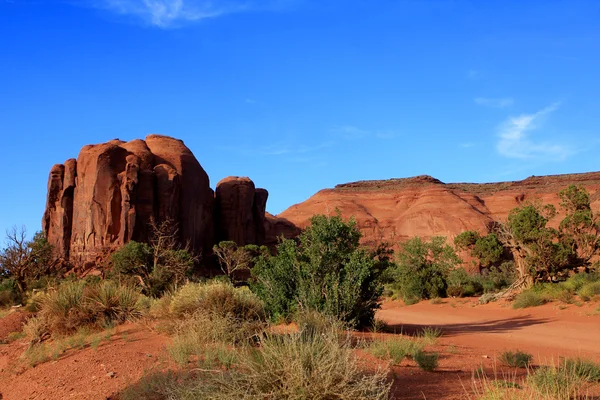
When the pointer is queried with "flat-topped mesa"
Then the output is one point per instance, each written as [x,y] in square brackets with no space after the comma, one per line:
[111,193]
[395,210]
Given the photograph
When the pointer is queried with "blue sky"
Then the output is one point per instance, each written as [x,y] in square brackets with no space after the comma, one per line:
[301,95]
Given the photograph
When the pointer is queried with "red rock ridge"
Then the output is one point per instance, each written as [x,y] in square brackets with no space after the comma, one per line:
[398,209]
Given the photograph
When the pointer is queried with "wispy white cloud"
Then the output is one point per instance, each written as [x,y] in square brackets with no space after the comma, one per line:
[495,103]
[351,132]
[467,145]
[174,13]
[515,139]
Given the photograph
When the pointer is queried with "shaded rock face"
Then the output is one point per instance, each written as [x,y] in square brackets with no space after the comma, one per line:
[108,196]
[236,218]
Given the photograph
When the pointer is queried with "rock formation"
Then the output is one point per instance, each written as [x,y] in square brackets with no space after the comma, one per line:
[240,211]
[110,194]
[398,209]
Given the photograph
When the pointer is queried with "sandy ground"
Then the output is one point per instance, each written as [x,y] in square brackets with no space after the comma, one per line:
[473,337]
[84,374]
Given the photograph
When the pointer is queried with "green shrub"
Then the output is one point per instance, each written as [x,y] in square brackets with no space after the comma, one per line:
[208,334]
[395,349]
[74,305]
[422,269]
[219,298]
[517,359]
[528,298]
[159,266]
[589,290]
[430,335]
[9,293]
[554,383]
[426,361]
[297,366]
[111,302]
[587,370]
[577,281]
[326,270]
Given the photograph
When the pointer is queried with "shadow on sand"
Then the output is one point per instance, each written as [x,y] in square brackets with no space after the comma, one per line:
[493,326]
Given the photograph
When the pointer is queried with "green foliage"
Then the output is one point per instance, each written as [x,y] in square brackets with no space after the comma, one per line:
[528,298]
[74,305]
[466,240]
[326,270]
[554,383]
[422,269]
[395,350]
[430,335]
[9,293]
[208,335]
[589,290]
[133,258]
[517,359]
[577,281]
[23,260]
[235,260]
[426,361]
[488,250]
[219,298]
[156,270]
[286,366]
[587,370]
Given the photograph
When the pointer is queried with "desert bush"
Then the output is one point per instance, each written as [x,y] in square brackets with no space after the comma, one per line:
[577,281]
[430,335]
[554,383]
[156,267]
[425,360]
[517,359]
[422,269]
[395,350]
[528,298]
[204,334]
[216,297]
[9,293]
[311,322]
[587,370]
[111,302]
[589,290]
[74,305]
[326,270]
[296,366]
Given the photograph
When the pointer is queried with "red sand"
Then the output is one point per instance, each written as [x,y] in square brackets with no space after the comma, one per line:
[473,336]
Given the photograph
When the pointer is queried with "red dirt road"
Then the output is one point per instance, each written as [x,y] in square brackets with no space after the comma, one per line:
[474,335]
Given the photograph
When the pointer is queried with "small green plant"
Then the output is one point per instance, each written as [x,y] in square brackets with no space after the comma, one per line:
[589,290]
[517,359]
[395,350]
[554,383]
[14,336]
[426,361]
[378,325]
[216,297]
[430,335]
[437,300]
[76,305]
[528,298]
[587,370]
